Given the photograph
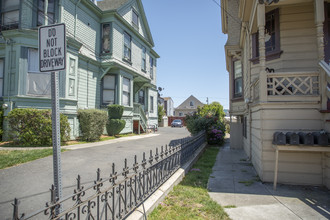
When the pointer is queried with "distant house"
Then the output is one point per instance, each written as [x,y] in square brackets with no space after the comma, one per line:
[189,106]
[168,106]
[110,58]
[277,56]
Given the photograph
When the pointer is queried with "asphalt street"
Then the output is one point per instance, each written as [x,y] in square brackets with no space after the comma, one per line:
[30,182]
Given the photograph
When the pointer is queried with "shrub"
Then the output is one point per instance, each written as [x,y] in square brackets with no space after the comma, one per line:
[92,123]
[115,111]
[115,126]
[32,127]
[214,127]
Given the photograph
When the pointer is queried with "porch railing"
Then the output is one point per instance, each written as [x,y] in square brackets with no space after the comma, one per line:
[139,112]
[293,86]
[117,195]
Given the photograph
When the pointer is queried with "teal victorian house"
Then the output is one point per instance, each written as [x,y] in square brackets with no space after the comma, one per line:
[110,58]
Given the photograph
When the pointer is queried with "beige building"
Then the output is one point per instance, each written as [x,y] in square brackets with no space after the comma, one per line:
[277,55]
[189,106]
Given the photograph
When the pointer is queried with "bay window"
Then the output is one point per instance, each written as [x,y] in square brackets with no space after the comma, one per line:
[9,14]
[38,83]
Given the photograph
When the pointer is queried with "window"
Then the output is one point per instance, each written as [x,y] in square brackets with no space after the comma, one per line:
[109,89]
[126,92]
[151,60]
[106,38]
[180,114]
[72,67]
[191,103]
[50,16]
[151,104]
[38,84]
[141,97]
[127,46]
[238,82]
[135,19]
[1,76]
[144,62]
[272,38]
[9,14]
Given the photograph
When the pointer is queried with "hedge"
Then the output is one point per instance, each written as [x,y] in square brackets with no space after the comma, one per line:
[33,127]
[92,123]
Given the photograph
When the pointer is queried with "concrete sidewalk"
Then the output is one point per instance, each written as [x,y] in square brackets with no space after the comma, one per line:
[235,185]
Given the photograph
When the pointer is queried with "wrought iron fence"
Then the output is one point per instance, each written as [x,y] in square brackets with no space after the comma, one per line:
[116,196]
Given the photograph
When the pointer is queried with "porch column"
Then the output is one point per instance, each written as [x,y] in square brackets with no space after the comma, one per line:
[319,20]
[262,53]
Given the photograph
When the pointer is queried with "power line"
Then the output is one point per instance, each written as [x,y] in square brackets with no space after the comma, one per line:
[227,13]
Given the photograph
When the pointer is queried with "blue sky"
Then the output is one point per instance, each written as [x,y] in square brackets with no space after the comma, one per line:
[187,36]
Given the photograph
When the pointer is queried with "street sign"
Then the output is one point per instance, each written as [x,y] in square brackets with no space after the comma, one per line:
[52,48]
[52,55]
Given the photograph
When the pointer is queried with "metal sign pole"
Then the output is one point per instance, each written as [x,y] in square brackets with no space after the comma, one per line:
[56,137]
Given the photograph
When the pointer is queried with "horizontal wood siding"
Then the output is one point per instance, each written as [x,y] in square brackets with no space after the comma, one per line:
[298,38]
[294,167]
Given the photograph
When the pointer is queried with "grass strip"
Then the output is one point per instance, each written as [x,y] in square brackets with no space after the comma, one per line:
[10,158]
[190,199]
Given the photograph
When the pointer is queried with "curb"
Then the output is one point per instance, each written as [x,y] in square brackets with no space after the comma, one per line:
[159,195]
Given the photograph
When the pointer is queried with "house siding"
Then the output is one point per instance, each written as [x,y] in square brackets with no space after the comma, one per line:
[83,27]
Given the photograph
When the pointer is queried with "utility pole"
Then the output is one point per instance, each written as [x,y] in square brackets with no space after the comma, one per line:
[207,100]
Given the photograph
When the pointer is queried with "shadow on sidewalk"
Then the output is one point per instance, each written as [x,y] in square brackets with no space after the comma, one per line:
[235,184]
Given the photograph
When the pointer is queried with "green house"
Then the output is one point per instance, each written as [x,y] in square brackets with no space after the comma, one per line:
[110,58]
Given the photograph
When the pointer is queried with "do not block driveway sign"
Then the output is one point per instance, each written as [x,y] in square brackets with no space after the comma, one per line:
[52,48]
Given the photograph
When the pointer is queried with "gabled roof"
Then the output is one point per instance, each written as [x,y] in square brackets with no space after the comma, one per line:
[106,5]
[191,98]
[116,5]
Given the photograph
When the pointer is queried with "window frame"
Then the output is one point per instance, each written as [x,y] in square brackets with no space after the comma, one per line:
[41,11]
[270,55]
[135,25]
[237,96]
[114,90]
[106,36]
[151,63]
[36,71]
[141,99]
[144,59]
[129,49]
[152,104]
[128,93]
[4,10]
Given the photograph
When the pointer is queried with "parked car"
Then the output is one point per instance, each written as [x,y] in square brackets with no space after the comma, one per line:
[177,123]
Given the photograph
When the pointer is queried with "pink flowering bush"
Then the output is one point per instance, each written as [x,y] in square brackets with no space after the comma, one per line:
[215,135]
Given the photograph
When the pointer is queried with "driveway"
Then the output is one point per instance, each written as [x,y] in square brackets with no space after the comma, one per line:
[30,182]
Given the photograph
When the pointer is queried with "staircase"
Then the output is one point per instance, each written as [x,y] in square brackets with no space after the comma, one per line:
[140,116]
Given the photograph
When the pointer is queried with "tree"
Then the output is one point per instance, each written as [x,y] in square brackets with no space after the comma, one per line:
[213,109]
[161,113]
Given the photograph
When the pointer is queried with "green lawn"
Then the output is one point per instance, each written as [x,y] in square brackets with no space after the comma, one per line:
[190,199]
[10,158]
